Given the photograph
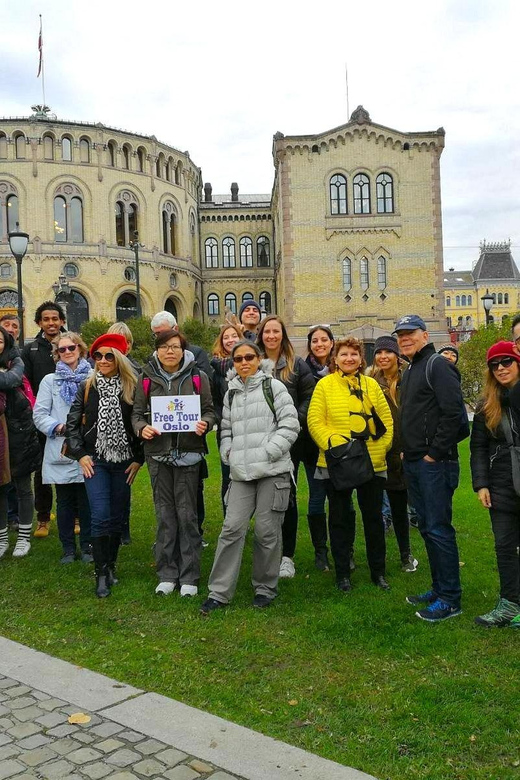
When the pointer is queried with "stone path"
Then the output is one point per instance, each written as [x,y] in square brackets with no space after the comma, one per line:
[130,734]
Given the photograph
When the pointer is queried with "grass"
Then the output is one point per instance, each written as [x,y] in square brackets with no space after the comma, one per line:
[357,679]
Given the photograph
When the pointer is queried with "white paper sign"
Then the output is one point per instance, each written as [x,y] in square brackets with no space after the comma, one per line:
[175,413]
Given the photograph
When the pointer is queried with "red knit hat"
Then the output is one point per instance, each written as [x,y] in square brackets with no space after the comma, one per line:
[502,349]
[112,340]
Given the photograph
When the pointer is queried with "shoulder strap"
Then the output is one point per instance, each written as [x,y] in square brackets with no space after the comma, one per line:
[506,427]
[195,378]
[429,368]
[146,386]
[267,388]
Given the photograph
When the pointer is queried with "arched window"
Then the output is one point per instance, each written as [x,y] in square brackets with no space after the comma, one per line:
[448,322]
[448,301]
[8,209]
[463,300]
[228,253]
[126,215]
[457,300]
[347,273]
[364,273]
[12,212]
[470,300]
[169,169]
[500,298]
[20,146]
[141,159]
[159,166]
[168,228]
[178,173]
[230,301]
[171,306]
[381,272]
[338,194]
[506,297]
[68,214]
[48,147]
[263,252]
[361,194]
[126,157]
[77,309]
[66,149]
[494,296]
[213,305]
[247,296]
[84,150]
[126,306]
[265,302]
[3,146]
[385,193]
[211,248]
[246,252]
[111,154]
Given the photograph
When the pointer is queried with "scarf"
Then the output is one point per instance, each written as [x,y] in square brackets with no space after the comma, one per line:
[69,380]
[111,440]
[317,368]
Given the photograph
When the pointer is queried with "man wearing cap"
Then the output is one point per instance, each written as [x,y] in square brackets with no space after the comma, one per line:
[431,416]
[249,315]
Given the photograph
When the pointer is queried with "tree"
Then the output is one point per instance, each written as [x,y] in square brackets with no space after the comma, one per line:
[94,328]
[472,358]
[199,333]
[143,338]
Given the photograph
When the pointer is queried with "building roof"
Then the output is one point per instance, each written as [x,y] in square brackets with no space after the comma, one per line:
[458,278]
[243,200]
[496,262]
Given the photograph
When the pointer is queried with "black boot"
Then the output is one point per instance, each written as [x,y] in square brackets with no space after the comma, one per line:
[113,549]
[318,530]
[100,550]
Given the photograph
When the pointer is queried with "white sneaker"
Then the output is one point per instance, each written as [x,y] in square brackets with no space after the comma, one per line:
[4,546]
[287,569]
[189,590]
[21,548]
[165,588]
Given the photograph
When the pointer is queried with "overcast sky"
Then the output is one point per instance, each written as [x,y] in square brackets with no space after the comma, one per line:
[219,79]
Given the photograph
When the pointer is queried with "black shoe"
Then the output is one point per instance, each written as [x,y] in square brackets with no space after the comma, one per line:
[69,556]
[321,560]
[86,555]
[113,550]
[102,586]
[380,582]
[261,602]
[210,605]
[345,585]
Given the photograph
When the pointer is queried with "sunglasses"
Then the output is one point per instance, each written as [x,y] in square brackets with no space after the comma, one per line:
[504,361]
[108,356]
[248,358]
[69,348]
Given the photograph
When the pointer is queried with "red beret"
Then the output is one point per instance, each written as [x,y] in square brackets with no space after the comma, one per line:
[112,340]
[502,349]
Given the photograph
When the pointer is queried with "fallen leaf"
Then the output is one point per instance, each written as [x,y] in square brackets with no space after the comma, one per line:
[293,702]
[473,738]
[299,724]
[79,717]
[461,564]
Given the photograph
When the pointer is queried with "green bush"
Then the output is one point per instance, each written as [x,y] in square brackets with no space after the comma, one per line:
[199,333]
[472,361]
[94,328]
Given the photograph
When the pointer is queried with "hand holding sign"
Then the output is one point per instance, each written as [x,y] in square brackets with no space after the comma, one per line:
[176,414]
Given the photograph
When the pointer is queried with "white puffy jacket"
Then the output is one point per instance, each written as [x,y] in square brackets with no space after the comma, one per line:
[253,444]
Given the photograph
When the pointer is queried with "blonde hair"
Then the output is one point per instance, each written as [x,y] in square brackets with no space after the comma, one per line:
[378,374]
[286,348]
[125,371]
[218,348]
[353,343]
[123,330]
[75,338]
[491,405]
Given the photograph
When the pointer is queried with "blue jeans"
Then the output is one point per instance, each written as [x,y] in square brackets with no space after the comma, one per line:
[108,495]
[430,488]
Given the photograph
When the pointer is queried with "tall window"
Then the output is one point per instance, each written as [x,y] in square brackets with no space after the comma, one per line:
[66,149]
[141,159]
[126,306]
[228,252]
[48,147]
[20,146]
[213,305]
[361,194]
[500,298]
[68,214]
[169,169]
[338,194]
[12,212]
[470,300]
[247,296]
[60,219]
[126,157]
[246,253]
[448,301]
[84,150]
[381,272]
[506,297]
[111,154]
[8,208]
[457,300]
[463,300]
[3,146]
[265,302]
[385,193]
[347,273]
[230,302]
[363,272]
[126,216]
[168,226]
[211,248]
[263,258]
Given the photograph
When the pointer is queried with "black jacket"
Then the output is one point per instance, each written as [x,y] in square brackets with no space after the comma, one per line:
[300,384]
[24,447]
[219,387]
[81,438]
[38,360]
[395,475]
[430,418]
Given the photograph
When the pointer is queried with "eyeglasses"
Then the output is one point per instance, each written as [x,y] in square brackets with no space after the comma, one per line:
[68,348]
[169,348]
[108,356]
[504,361]
[248,358]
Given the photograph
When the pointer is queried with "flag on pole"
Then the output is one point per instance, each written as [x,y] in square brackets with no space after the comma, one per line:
[40,48]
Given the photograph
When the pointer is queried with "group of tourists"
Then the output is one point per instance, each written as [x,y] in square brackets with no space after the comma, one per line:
[81,419]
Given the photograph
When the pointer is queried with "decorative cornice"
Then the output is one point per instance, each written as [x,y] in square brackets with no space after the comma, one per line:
[330,232]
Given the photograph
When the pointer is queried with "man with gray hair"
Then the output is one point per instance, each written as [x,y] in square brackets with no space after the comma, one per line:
[164,320]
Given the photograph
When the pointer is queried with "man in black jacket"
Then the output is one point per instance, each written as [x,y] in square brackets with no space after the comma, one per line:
[432,414]
[38,360]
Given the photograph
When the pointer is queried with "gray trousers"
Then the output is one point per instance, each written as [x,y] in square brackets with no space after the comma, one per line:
[266,499]
[178,542]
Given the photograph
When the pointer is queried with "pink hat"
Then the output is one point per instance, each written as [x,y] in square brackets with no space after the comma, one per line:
[502,349]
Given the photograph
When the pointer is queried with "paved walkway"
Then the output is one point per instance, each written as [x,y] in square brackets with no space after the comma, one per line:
[131,734]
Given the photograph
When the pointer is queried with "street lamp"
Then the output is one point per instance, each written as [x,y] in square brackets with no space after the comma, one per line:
[18,242]
[134,245]
[61,286]
[487,302]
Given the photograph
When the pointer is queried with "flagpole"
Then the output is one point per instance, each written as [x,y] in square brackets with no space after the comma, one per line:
[42,61]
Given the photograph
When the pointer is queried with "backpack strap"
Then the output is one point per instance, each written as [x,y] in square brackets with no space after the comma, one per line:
[195,378]
[146,386]
[267,388]
[429,368]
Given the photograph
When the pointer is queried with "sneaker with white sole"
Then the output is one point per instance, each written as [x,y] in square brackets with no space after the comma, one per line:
[189,590]
[287,570]
[409,563]
[4,546]
[165,588]
[21,548]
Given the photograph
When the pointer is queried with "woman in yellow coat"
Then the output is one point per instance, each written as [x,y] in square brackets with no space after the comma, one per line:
[348,404]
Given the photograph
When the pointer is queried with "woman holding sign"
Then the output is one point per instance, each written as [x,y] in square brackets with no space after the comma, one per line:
[172,412]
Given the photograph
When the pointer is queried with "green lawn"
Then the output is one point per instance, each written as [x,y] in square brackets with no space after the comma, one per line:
[357,678]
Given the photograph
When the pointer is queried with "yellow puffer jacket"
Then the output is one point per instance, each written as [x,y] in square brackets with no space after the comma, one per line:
[331,408]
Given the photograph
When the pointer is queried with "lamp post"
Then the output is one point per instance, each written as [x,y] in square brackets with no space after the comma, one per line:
[18,243]
[62,288]
[487,302]
[134,245]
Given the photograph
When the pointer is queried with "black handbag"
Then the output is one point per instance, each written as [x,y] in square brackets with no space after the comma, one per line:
[349,464]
